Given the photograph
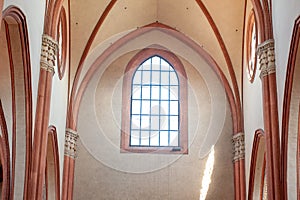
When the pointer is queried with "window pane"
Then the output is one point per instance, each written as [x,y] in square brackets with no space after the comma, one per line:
[165,78]
[164,109]
[173,122]
[135,121]
[136,107]
[164,123]
[134,138]
[154,138]
[137,77]
[155,63]
[164,93]
[164,65]
[145,122]
[164,140]
[146,92]
[155,77]
[145,138]
[173,138]
[154,122]
[155,92]
[147,64]
[146,77]
[145,107]
[173,78]
[173,107]
[154,107]
[174,93]
[136,92]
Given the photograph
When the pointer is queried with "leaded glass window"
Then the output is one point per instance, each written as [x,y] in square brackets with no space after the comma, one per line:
[155,107]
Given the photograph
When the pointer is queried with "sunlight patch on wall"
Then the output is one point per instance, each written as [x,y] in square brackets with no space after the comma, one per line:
[207,174]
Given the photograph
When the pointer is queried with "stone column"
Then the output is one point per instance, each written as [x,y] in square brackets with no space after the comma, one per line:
[1,7]
[238,145]
[39,150]
[69,163]
[266,55]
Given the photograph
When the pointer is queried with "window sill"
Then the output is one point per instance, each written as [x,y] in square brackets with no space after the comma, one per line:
[155,150]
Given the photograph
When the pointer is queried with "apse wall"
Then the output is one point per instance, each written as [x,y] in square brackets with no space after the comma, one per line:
[103,172]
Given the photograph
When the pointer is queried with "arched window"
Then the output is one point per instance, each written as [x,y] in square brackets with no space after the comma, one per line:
[252,40]
[154,117]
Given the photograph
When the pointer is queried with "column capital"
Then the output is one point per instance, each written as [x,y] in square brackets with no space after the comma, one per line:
[266,56]
[70,143]
[48,53]
[238,144]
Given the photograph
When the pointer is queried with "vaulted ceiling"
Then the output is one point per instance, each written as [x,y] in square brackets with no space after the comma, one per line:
[217,27]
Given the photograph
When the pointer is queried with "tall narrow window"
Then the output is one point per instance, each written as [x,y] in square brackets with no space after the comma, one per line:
[154,117]
[155,112]
[252,40]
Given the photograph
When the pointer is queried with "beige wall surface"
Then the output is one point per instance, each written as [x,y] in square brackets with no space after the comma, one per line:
[102,172]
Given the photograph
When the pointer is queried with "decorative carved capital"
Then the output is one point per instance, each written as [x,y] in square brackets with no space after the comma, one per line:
[266,55]
[70,143]
[48,53]
[238,143]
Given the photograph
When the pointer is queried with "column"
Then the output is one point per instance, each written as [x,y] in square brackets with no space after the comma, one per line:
[39,150]
[238,145]
[69,163]
[266,55]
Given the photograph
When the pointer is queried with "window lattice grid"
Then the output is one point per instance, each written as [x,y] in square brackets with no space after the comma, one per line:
[155,108]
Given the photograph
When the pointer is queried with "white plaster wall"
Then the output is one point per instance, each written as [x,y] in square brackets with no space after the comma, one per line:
[252,105]
[58,111]
[253,115]
[284,15]
[34,12]
[103,172]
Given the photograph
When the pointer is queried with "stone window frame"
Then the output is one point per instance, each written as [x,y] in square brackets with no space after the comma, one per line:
[131,67]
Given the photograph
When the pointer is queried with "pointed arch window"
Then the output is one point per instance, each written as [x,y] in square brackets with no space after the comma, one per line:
[154,117]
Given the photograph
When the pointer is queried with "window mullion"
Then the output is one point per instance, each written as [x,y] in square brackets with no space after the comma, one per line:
[169,105]
[150,121]
[141,106]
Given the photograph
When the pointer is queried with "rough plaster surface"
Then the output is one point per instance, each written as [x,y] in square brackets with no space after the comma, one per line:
[102,172]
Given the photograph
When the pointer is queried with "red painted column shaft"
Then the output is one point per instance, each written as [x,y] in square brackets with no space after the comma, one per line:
[66,177]
[242,178]
[69,164]
[271,125]
[1,8]
[275,134]
[239,165]
[237,194]
[298,157]
[71,180]
[39,150]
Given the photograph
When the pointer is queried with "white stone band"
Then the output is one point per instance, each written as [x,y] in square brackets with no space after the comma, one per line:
[48,53]
[238,144]
[266,55]
[70,143]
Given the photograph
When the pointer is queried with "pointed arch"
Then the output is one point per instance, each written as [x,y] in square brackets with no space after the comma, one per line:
[4,156]
[20,70]
[257,165]
[52,171]
[291,78]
